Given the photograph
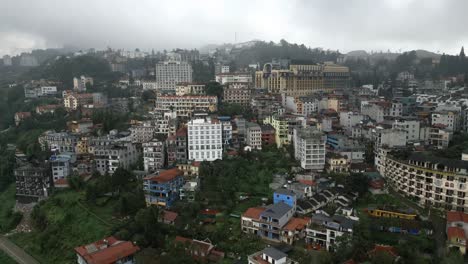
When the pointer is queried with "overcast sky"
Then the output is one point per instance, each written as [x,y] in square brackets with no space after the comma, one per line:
[435,25]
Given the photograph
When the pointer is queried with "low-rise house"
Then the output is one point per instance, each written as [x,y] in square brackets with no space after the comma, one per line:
[84,125]
[203,251]
[269,255]
[163,189]
[337,163]
[108,250]
[168,217]
[286,196]
[21,116]
[189,190]
[457,230]
[61,166]
[47,109]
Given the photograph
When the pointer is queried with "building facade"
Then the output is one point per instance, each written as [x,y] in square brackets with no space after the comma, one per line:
[205,140]
[170,73]
[309,148]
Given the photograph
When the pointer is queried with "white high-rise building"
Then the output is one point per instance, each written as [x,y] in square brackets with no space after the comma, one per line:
[205,140]
[309,148]
[170,73]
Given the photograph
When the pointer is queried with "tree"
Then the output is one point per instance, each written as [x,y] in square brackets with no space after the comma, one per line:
[382,258]
[215,89]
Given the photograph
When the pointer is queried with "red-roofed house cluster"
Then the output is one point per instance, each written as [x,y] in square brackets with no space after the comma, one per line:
[107,251]
[457,231]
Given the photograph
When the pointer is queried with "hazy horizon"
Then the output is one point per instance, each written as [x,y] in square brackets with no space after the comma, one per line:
[336,25]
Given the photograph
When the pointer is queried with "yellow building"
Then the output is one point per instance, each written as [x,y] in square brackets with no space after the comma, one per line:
[375,212]
[82,146]
[280,125]
[303,80]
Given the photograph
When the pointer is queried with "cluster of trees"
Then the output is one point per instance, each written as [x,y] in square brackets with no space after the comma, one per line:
[110,120]
[65,68]
[251,173]
[263,52]
[202,72]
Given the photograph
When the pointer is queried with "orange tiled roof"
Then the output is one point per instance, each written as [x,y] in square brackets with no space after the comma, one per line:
[457,232]
[165,176]
[253,212]
[453,216]
[297,223]
[382,248]
[170,216]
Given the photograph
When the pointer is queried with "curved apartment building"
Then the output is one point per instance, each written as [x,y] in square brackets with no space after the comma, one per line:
[435,182]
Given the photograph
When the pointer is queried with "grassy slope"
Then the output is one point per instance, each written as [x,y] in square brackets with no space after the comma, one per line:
[7,199]
[70,225]
[5,259]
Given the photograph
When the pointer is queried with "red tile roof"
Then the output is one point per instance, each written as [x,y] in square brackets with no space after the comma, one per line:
[455,232]
[209,212]
[23,114]
[165,176]
[308,182]
[253,212]
[453,216]
[297,224]
[106,251]
[382,248]
[170,216]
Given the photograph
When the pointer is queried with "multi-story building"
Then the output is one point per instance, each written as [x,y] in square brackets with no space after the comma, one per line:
[170,73]
[449,119]
[439,137]
[184,106]
[205,140]
[434,181]
[117,154]
[268,135]
[280,124]
[33,183]
[226,78]
[61,142]
[72,101]
[380,109]
[190,89]
[142,133]
[154,155]
[254,135]
[391,137]
[79,83]
[7,60]
[303,80]
[412,128]
[163,189]
[324,230]
[108,250]
[270,221]
[309,148]
[350,119]
[60,166]
[226,127]
[266,105]
[237,93]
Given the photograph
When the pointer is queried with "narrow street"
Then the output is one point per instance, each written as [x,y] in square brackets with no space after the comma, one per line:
[15,252]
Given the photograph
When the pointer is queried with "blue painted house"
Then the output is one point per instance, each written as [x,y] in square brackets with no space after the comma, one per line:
[163,189]
[286,196]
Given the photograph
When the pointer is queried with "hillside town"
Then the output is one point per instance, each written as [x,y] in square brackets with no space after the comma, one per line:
[190,157]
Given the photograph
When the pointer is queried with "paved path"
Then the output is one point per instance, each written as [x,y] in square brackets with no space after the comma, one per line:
[16,252]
